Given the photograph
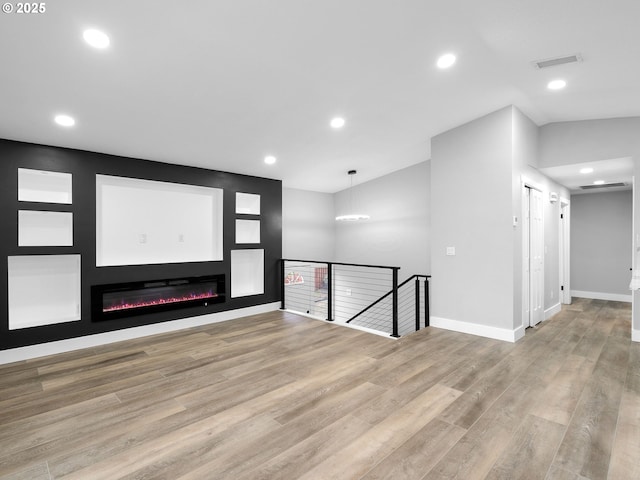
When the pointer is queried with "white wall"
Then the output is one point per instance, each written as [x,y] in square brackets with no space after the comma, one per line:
[308,225]
[472,207]
[397,234]
[551,235]
[601,237]
[567,143]
[471,198]
[478,169]
[525,154]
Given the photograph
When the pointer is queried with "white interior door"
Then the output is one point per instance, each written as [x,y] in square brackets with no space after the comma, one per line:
[536,256]
[533,257]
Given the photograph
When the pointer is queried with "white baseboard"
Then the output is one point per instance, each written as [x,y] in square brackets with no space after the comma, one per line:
[68,345]
[614,297]
[503,334]
[364,329]
[635,335]
[518,333]
[551,311]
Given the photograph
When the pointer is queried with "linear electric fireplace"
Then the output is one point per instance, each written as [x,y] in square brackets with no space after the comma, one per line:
[137,298]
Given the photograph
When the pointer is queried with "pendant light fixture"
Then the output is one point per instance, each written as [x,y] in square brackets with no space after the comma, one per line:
[352,217]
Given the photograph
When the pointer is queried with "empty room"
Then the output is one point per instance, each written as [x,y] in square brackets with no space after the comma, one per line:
[320,240]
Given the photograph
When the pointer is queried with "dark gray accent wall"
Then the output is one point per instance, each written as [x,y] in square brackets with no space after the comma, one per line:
[84,166]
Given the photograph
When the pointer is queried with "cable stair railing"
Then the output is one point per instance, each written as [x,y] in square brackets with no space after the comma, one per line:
[362,296]
[412,300]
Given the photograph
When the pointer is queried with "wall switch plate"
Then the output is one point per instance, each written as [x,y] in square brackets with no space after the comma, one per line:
[451,250]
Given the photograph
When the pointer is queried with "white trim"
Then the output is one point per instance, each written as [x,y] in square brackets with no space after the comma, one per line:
[497,333]
[551,311]
[635,335]
[342,324]
[614,297]
[70,344]
[527,182]
[518,333]
[565,251]
[364,329]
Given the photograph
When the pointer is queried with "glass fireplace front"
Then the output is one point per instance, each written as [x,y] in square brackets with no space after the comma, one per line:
[138,298]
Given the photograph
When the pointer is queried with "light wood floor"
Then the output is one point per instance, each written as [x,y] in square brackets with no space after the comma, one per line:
[282,396]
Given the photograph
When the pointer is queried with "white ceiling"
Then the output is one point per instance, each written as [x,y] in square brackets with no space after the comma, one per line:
[610,171]
[221,84]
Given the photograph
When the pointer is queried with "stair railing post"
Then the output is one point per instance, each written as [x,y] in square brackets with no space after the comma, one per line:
[426,301]
[395,303]
[330,292]
[417,289]
[282,290]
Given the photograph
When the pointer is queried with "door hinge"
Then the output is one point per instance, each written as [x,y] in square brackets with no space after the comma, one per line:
[561,215]
[562,288]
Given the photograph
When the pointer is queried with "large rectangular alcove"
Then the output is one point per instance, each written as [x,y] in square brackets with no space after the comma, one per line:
[142,222]
[138,298]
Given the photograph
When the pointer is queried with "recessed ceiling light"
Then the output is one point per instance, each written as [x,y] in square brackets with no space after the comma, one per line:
[269,159]
[337,122]
[446,60]
[556,84]
[96,38]
[599,182]
[586,170]
[64,120]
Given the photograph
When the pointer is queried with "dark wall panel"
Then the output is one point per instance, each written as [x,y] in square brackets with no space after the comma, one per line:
[84,166]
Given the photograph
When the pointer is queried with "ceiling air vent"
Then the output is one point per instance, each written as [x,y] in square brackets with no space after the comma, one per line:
[552,62]
[604,185]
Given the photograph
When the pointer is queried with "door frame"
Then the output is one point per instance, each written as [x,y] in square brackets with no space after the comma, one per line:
[565,251]
[527,183]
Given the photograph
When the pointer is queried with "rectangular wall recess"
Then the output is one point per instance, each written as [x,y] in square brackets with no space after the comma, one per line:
[247,203]
[150,222]
[43,290]
[45,229]
[247,231]
[43,186]
[247,272]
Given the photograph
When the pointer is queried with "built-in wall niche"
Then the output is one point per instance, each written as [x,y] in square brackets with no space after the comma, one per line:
[247,272]
[247,231]
[43,186]
[247,203]
[43,290]
[40,229]
[150,222]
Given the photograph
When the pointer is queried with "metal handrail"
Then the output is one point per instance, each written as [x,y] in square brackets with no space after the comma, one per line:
[387,294]
[393,292]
